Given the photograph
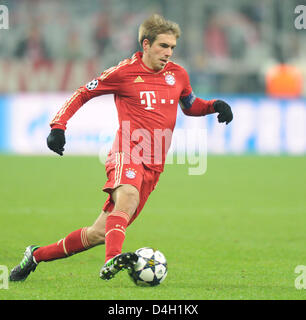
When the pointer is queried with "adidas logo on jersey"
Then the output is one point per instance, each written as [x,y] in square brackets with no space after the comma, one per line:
[138,79]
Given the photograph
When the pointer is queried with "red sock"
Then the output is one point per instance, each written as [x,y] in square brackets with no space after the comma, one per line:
[75,242]
[115,226]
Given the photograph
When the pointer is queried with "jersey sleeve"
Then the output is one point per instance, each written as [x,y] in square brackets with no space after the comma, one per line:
[187,89]
[107,83]
[190,104]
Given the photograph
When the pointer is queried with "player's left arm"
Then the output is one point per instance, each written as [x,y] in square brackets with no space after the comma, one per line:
[194,106]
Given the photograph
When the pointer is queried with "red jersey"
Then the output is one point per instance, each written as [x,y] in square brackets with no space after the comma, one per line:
[146,102]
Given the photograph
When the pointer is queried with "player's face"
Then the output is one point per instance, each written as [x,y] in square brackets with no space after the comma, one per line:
[157,54]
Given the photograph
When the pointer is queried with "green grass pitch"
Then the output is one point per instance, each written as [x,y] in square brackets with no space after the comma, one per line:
[236,232]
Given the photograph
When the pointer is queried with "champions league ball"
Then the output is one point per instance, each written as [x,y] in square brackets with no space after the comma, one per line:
[150,269]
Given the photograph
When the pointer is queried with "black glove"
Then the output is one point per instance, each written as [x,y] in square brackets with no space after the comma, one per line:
[56,141]
[224,110]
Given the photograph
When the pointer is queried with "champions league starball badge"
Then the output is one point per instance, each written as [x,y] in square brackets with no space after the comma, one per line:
[92,84]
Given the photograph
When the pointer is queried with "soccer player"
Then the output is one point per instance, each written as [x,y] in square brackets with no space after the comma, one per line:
[147,89]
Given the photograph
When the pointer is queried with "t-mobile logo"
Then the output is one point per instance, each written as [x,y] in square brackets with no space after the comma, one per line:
[150,98]
[148,101]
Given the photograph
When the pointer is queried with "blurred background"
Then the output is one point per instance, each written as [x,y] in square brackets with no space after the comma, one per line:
[249,53]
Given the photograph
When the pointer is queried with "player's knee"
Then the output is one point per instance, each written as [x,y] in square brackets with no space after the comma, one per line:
[95,236]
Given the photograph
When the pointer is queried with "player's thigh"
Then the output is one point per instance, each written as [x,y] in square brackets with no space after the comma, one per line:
[126,198]
[149,183]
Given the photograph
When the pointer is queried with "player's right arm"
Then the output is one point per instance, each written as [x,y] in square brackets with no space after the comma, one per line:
[107,83]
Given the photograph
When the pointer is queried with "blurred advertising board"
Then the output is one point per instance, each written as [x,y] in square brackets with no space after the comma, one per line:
[261,125]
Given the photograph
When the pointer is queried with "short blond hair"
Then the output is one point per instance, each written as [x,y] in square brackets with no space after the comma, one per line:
[155,25]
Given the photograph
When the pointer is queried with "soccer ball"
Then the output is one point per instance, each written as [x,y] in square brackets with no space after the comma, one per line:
[150,269]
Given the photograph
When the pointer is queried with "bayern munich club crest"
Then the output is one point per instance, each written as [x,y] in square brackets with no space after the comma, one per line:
[130,173]
[169,78]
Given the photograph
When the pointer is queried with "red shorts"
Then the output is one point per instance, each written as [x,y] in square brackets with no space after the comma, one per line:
[137,175]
